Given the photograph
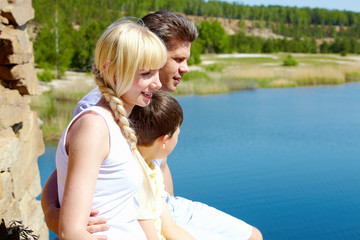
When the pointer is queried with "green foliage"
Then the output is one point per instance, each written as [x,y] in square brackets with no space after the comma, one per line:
[290,61]
[239,42]
[84,50]
[69,30]
[46,75]
[79,24]
[214,37]
[196,49]
[324,47]
[53,44]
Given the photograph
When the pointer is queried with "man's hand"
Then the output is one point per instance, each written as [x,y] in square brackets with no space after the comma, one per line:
[96,224]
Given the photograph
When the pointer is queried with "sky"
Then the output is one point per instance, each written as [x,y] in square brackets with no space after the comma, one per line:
[349,5]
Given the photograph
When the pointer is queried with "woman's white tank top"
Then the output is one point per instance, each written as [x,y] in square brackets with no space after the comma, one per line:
[118,181]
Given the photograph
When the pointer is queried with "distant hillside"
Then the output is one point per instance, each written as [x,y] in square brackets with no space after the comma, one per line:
[251,27]
[232,26]
[238,28]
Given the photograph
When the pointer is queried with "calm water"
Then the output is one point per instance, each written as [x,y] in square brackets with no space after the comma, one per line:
[284,160]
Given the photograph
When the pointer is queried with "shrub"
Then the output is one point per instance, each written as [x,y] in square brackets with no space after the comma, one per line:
[290,61]
[46,75]
[196,49]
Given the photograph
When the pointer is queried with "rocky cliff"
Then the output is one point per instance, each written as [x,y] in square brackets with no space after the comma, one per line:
[20,137]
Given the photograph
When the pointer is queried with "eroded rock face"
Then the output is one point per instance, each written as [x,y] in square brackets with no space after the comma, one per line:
[21,140]
[18,12]
[16,55]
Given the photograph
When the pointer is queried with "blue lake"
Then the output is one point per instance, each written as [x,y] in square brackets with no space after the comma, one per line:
[284,160]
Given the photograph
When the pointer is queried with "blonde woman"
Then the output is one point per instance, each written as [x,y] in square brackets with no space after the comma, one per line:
[98,165]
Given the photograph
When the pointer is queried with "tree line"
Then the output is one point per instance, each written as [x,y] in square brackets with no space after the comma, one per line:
[67,30]
[213,39]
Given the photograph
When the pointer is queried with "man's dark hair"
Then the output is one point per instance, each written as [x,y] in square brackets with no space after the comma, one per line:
[171,27]
[161,117]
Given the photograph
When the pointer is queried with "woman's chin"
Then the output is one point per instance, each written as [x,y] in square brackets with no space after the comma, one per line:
[144,103]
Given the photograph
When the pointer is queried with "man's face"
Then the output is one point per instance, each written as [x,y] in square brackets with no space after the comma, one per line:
[175,66]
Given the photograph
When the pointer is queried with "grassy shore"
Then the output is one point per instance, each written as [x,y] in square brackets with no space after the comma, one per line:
[56,103]
[234,72]
[216,74]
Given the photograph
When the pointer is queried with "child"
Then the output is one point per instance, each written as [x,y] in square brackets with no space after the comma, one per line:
[157,127]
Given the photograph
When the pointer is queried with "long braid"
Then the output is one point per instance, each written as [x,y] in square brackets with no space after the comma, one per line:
[119,112]
[117,108]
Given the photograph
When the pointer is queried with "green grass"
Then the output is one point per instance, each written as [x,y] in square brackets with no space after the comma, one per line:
[318,58]
[236,84]
[55,109]
[264,82]
[319,81]
[214,68]
[352,76]
[69,96]
[247,60]
[196,75]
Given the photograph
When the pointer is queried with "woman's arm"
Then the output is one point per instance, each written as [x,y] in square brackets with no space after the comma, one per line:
[169,229]
[51,208]
[87,145]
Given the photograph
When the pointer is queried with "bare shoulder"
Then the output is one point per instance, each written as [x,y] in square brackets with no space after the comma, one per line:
[91,119]
[88,131]
[90,122]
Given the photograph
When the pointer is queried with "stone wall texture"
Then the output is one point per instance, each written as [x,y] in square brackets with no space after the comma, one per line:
[21,140]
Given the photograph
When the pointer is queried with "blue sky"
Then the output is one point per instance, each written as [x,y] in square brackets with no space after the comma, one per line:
[349,5]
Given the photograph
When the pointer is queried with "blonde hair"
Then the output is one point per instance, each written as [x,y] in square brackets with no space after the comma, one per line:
[123,48]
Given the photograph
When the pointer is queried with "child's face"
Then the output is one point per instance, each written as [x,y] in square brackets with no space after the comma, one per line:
[171,142]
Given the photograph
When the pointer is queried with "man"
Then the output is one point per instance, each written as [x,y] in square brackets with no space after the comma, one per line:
[202,221]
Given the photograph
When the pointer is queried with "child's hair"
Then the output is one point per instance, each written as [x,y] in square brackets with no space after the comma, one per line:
[161,117]
[123,48]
